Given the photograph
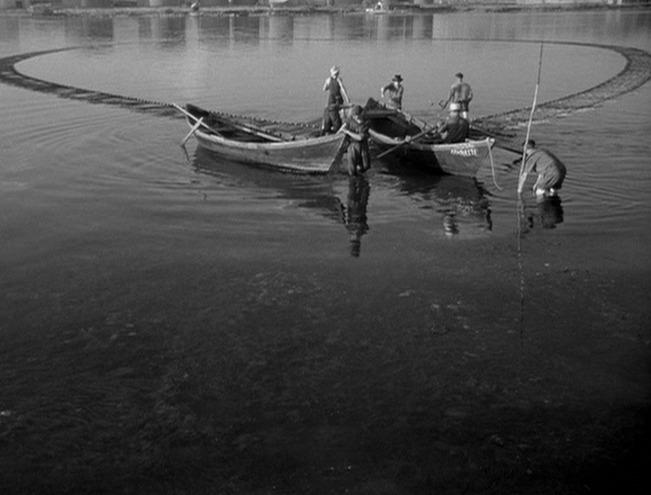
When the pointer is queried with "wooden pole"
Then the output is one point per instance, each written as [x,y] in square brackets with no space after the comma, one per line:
[533,108]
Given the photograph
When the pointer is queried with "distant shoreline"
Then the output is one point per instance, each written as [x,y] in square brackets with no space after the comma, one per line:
[263,11]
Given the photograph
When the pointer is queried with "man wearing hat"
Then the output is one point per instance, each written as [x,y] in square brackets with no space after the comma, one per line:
[356,128]
[337,97]
[461,93]
[455,129]
[551,171]
[394,90]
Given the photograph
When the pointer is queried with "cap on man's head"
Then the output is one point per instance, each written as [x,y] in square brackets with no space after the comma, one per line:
[334,69]
[459,75]
[356,110]
[530,144]
[397,77]
[455,107]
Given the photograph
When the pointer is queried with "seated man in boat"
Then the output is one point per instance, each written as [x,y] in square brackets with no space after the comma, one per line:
[356,129]
[455,129]
[551,171]
[337,97]
[394,90]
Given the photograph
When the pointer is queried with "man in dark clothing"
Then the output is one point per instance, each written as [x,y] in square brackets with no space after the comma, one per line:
[395,89]
[356,129]
[337,97]
[455,129]
[551,171]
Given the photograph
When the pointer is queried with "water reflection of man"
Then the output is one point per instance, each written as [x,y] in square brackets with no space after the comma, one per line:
[547,215]
[337,97]
[354,212]
[550,211]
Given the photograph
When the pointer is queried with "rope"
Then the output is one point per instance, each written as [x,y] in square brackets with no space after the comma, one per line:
[490,155]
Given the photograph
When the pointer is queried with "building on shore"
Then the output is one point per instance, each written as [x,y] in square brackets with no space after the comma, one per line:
[99,4]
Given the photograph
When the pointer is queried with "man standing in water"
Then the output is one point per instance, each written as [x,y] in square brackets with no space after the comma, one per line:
[461,93]
[551,171]
[356,129]
[337,96]
[394,90]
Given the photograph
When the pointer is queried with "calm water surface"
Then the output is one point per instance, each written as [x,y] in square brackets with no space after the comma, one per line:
[176,323]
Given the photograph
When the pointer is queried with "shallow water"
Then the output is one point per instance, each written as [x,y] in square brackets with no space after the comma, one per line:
[181,323]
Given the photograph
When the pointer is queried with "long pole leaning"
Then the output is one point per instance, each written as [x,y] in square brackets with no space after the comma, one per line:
[533,109]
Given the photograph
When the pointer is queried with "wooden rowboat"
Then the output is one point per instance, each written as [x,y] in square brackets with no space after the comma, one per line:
[390,128]
[285,146]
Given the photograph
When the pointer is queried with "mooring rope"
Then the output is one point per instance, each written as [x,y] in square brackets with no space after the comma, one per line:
[490,156]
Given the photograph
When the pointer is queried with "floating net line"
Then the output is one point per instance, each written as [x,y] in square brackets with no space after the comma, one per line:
[635,73]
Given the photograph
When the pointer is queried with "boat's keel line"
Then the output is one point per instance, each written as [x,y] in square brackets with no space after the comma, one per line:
[636,72]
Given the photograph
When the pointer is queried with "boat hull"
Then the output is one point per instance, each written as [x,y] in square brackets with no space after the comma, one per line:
[463,159]
[281,145]
[315,155]
[390,128]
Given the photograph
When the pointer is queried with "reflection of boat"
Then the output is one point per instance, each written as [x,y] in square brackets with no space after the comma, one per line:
[460,201]
[313,193]
[286,146]
[390,128]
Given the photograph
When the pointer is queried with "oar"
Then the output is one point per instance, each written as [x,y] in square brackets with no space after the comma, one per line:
[428,129]
[241,127]
[199,122]
[512,150]
[414,138]
[192,131]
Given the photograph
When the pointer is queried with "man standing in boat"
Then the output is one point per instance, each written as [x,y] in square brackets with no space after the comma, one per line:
[461,93]
[394,90]
[337,97]
[551,171]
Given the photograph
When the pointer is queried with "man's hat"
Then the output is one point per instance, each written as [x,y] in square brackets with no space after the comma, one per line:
[455,107]
[397,77]
[459,75]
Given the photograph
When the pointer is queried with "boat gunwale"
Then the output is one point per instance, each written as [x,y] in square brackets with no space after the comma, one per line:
[298,143]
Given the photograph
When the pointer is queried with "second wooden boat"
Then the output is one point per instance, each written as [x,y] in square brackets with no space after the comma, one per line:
[393,129]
